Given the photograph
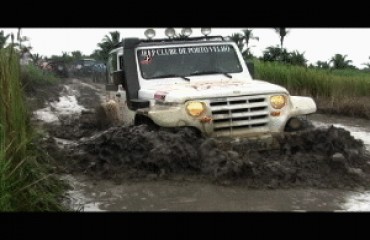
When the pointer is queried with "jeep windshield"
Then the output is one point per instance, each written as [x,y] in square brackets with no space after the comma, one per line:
[162,62]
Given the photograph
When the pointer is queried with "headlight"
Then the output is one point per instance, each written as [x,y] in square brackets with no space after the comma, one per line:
[278,101]
[195,108]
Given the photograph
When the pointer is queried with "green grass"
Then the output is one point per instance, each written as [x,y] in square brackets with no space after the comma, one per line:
[32,76]
[26,181]
[337,91]
[315,82]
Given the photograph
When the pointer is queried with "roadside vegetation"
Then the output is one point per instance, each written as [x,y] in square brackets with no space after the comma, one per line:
[27,182]
[336,85]
[32,75]
[343,92]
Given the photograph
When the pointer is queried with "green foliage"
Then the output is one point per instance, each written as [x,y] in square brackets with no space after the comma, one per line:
[238,39]
[77,55]
[340,62]
[242,41]
[282,55]
[248,35]
[297,58]
[106,45]
[36,58]
[315,82]
[34,76]
[3,39]
[26,183]
[282,34]
[275,54]
[65,57]
[247,54]
[322,64]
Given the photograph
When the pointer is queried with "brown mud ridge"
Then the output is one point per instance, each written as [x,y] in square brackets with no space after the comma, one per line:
[323,158]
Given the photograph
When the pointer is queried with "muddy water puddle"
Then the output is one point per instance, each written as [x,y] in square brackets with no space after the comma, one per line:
[196,196]
[164,195]
[88,194]
[359,128]
[200,196]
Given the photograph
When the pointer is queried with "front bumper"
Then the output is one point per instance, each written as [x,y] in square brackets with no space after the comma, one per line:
[242,116]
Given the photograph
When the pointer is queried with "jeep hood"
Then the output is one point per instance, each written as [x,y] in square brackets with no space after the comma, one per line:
[182,92]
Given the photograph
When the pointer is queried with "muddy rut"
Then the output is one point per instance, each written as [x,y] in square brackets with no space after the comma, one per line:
[327,157]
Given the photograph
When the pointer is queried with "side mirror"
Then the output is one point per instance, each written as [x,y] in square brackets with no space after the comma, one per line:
[250,66]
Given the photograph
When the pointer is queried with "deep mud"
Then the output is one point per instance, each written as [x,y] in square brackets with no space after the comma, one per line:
[69,124]
[322,158]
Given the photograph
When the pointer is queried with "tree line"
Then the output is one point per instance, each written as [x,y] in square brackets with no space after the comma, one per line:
[272,53]
[281,54]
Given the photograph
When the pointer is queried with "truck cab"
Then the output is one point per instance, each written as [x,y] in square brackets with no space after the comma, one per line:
[199,82]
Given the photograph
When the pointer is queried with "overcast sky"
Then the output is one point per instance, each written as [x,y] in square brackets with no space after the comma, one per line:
[317,43]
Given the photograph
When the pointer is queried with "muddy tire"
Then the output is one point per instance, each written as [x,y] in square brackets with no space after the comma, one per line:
[143,120]
[301,123]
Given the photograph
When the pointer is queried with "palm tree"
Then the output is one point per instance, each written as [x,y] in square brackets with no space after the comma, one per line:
[248,35]
[297,58]
[238,39]
[322,64]
[108,43]
[275,54]
[36,58]
[282,33]
[112,40]
[3,39]
[339,61]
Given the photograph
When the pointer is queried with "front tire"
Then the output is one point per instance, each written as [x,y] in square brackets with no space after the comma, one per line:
[299,123]
[143,120]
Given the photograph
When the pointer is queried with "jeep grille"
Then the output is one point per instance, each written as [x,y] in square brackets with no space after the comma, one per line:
[239,113]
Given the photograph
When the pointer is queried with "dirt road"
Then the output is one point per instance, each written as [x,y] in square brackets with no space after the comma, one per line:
[179,193]
[204,196]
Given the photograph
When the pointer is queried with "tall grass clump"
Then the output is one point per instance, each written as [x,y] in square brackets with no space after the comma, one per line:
[33,77]
[26,182]
[336,91]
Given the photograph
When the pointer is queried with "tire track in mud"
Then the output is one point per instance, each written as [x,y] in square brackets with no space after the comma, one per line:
[325,157]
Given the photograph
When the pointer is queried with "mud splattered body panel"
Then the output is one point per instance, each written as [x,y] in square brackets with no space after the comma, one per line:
[169,75]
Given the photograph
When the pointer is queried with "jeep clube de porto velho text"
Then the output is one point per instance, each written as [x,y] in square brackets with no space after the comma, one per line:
[198,82]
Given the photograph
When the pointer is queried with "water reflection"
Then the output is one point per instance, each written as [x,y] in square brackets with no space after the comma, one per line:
[180,196]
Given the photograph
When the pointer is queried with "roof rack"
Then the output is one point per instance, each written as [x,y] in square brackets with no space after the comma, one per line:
[184,39]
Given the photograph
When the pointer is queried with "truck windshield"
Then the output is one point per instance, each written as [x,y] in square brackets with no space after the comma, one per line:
[188,61]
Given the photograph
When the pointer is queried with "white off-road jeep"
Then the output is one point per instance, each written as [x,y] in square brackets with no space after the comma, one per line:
[200,82]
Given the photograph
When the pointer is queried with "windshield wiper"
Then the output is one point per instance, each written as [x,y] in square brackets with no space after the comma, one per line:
[211,72]
[171,75]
